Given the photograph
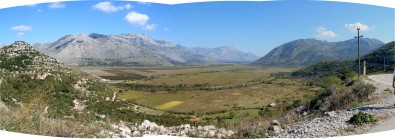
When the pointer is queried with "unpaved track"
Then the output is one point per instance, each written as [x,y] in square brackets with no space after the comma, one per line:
[383,78]
[389,124]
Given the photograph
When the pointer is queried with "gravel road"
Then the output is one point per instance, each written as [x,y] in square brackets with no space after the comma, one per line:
[388,124]
[336,122]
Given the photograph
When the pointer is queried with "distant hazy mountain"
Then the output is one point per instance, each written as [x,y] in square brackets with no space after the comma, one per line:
[1,45]
[135,49]
[304,52]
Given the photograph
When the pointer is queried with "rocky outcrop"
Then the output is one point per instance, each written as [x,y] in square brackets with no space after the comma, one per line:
[150,128]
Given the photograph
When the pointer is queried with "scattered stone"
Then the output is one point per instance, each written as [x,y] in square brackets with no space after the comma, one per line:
[331,114]
[151,128]
[272,105]
[333,122]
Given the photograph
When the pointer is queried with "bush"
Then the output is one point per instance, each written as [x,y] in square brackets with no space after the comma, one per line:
[332,98]
[331,80]
[361,118]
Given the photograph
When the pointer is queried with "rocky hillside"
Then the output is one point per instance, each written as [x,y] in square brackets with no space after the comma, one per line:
[135,49]
[304,52]
[21,58]
[39,95]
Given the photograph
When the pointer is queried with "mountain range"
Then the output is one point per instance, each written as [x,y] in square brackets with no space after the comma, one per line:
[305,52]
[136,50]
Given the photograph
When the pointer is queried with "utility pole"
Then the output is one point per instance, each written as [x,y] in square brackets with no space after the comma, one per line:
[384,64]
[359,59]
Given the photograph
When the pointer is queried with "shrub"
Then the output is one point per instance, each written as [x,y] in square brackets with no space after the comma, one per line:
[332,98]
[331,80]
[297,103]
[361,118]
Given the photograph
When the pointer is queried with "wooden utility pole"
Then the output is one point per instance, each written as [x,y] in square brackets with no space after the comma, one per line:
[384,64]
[359,59]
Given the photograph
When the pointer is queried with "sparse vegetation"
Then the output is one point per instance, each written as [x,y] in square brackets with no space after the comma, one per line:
[233,97]
[362,118]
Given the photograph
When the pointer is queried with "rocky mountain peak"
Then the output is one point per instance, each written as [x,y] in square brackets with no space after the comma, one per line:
[20,57]
[229,49]
[135,49]
[20,45]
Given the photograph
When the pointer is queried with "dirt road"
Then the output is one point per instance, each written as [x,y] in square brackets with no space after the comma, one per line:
[383,78]
[389,124]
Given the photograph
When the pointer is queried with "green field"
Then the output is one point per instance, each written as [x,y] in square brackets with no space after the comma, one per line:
[232,93]
[203,101]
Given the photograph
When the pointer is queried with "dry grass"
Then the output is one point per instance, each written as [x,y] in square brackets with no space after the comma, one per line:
[216,76]
[31,119]
[202,101]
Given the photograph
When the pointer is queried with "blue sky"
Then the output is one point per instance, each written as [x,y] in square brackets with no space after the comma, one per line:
[254,27]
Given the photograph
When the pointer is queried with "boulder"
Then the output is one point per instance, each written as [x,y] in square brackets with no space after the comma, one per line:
[272,105]
[275,128]
[211,133]
[147,125]
[275,122]
[331,114]
[209,127]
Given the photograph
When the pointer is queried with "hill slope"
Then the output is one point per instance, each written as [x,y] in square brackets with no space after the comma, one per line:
[134,49]
[304,52]
[374,61]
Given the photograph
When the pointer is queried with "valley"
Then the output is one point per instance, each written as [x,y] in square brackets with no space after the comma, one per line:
[202,90]
[229,100]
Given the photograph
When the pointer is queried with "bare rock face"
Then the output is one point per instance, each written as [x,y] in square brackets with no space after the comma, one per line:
[136,50]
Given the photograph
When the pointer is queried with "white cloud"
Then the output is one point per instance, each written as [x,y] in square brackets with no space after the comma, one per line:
[20,34]
[144,3]
[56,5]
[136,18]
[166,29]
[22,28]
[353,27]
[31,5]
[108,7]
[39,10]
[324,33]
[150,27]
[128,6]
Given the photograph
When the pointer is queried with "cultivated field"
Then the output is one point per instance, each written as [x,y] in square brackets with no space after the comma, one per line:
[206,91]
[203,101]
[245,88]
